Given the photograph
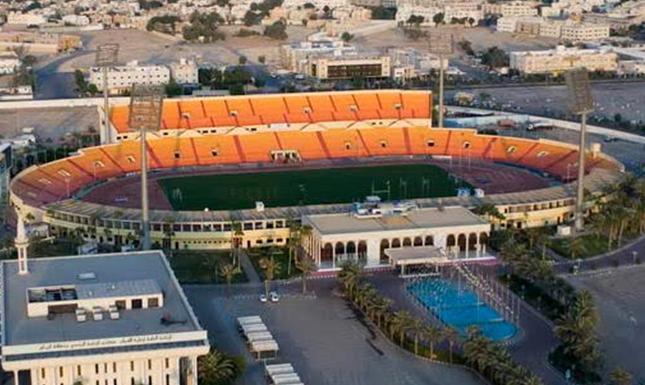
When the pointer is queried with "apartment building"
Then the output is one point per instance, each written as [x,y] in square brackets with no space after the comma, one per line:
[9,62]
[184,71]
[295,56]
[18,18]
[340,68]
[108,319]
[511,8]
[122,78]
[584,32]
[561,59]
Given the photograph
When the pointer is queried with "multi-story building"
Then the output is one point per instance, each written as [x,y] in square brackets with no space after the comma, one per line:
[115,319]
[338,68]
[122,78]
[5,173]
[511,8]
[184,71]
[295,56]
[631,67]
[561,59]
[468,11]
[9,62]
[35,42]
[25,18]
[584,32]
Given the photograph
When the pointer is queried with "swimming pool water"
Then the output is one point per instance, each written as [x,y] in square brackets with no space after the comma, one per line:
[458,306]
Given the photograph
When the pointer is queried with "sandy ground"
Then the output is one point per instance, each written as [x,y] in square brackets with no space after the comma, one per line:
[153,48]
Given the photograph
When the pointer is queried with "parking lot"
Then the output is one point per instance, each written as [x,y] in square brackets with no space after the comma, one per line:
[320,336]
[621,305]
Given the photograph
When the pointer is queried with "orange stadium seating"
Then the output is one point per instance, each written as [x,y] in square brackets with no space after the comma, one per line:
[285,108]
[52,181]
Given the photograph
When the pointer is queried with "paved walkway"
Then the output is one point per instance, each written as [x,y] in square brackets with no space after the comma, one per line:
[248,268]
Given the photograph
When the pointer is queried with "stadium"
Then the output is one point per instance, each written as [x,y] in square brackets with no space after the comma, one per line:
[263,161]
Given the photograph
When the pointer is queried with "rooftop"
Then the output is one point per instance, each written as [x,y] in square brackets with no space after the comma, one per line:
[415,219]
[125,273]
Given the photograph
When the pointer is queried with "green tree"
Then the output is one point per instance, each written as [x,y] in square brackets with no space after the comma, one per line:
[451,336]
[438,18]
[242,60]
[346,37]
[306,265]
[277,31]
[227,271]
[270,268]
[215,368]
[620,376]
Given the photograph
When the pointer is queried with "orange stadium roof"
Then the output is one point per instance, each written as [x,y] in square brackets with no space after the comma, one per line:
[300,108]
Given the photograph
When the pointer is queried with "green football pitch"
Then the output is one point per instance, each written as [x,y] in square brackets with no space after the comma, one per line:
[308,187]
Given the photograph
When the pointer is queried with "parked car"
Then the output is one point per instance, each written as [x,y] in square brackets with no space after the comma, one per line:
[274,296]
[263,298]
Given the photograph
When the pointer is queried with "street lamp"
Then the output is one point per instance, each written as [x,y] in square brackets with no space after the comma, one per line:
[146,105]
[442,45]
[581,101]
[106,57]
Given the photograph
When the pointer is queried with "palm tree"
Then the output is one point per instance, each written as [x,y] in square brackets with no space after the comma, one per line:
[620,376]
[306,265]
[293,241]
[216,367]
[431,334]
[169,231]
[451,336]
[380,307]
[271,269]
[576,247]
[237,234]
[417,328]
[227,271]
[350,277]
[400,323]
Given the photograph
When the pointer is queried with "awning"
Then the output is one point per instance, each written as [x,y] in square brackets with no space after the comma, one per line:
[421,255]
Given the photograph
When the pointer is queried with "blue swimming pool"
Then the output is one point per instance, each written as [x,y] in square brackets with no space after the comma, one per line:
[459,307]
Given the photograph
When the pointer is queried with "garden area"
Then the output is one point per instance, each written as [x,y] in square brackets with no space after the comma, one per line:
[280,256]
[583,246]
[205,267]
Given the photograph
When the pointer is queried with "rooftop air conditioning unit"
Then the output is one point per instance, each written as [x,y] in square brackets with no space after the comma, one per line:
[259,206]
[114,312]
[97,313]
[81,315]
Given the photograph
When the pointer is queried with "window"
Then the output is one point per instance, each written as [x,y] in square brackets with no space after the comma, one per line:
[214,152]
[78,370]
[114,367]
[177,154]
[348,146]
[167,379]
[137,304]
[149,364]
[149,380]
[430,143]
[120,304]
[153,302]
[132,367]
[96,368]
[383,143]
[466,144]
[42,372]
[167,363]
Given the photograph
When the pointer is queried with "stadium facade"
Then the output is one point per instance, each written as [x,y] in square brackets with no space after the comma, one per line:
[274,131]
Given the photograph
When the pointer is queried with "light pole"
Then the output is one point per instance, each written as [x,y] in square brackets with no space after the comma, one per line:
[581,104]
[441,44]
[106,57]
[146,105]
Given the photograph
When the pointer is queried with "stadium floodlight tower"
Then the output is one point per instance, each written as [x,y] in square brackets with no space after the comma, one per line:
[581,104]
[106,56]
[442,45]
[146,104]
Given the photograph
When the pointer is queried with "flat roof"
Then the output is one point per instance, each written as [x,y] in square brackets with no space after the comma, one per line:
[149,270]
[414,219]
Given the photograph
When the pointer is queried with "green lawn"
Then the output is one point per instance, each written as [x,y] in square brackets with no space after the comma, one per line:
[306,187]
[592,246]
[201,266]
[280,255]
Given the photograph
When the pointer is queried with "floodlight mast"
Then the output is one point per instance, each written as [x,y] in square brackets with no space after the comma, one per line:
[581,100]
[106,57]
[441,44]
[146,105]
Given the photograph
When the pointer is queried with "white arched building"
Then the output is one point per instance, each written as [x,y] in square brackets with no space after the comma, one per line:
[336,238]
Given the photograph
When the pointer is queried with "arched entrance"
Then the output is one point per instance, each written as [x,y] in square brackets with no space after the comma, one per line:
[327,256]
[407,242]
[396,243]
[430,240]
[418,241]
[461,242]
[385,244]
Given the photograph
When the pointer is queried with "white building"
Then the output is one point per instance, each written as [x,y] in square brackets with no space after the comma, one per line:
[295,57]
[9,62]
[631,67]
[338,68]
[121,78]
[185,71]
[25,19]
[78,20]
[512,8]
[336,238]
[561,59]
[584,32]
[109,319]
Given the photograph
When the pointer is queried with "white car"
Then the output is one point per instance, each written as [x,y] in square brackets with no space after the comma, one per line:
[263,298]
[274,296]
